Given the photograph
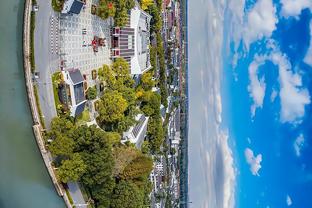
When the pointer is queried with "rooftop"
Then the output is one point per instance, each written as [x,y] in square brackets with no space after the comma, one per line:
[132,41]
[79,93]
[75,76]
[136,134]
[140,21]
[72,7]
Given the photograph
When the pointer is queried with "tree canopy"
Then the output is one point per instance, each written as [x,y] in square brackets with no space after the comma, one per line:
[91,93]
[146,3]
[104,166]
[147,81]
[127,194]
[71,169]
[112,107]
[117,107]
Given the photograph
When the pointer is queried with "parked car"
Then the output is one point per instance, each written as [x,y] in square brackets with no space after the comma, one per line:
[35,8]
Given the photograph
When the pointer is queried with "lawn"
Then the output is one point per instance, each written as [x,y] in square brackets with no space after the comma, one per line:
[84,117]
[56,79]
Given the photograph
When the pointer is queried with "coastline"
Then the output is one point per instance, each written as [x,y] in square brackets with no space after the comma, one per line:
[37,126]
[184,180]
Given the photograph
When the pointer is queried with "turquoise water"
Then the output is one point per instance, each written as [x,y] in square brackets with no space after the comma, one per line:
[24,181]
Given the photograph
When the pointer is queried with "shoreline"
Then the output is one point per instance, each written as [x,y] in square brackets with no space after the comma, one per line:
[37,126]
[184,179]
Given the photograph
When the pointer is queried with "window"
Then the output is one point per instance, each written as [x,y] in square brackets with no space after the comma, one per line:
[130,41]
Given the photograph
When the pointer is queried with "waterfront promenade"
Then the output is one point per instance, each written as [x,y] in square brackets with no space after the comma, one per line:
[37,128]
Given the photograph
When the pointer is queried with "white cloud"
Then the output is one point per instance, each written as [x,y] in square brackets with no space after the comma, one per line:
[253,161]
[294,7]
[308,56]
[273,95]
[256,87]
[293,96]
[236,13]
[261,22]
[288,200]
[229,172]
[298,144]
[212,177]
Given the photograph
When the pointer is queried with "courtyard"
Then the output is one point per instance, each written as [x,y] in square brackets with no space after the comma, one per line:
[85,42]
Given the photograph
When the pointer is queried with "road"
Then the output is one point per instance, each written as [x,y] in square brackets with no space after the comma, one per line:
[46,61]
[76,195]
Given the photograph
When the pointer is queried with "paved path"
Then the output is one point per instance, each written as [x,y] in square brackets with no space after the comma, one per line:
[76,195]
[46,61]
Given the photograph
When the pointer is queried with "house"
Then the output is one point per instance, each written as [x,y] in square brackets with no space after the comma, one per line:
[132,41]
[72,7]
[73,94]
[137,133]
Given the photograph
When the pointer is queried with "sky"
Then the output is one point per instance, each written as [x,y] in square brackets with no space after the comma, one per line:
[250,91]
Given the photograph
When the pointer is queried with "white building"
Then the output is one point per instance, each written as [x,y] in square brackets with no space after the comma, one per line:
[137,133]
[72,93]
[132,41]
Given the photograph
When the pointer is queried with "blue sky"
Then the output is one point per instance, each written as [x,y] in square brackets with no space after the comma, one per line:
[266,101]
[250,85]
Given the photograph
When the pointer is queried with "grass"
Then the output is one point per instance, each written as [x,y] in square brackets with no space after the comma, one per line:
[32,32]
[38,107]
[84,117]
[56,78]
[69,197]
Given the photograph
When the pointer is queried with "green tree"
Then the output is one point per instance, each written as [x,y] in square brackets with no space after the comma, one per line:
[121,70]
[147,81]
[99,168]
[106,75]
[61,125]
[123,156]
[139,167]
[129,95]
[151,103]
[112,107]
[106,9]
[146,3]
[127,194]
[90,139]
[121,17]
[117,76]
[156,21]
[91,93]
[71,169]
[62,145]
[155,133]
[145,147]
[102,193]
[95,147]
